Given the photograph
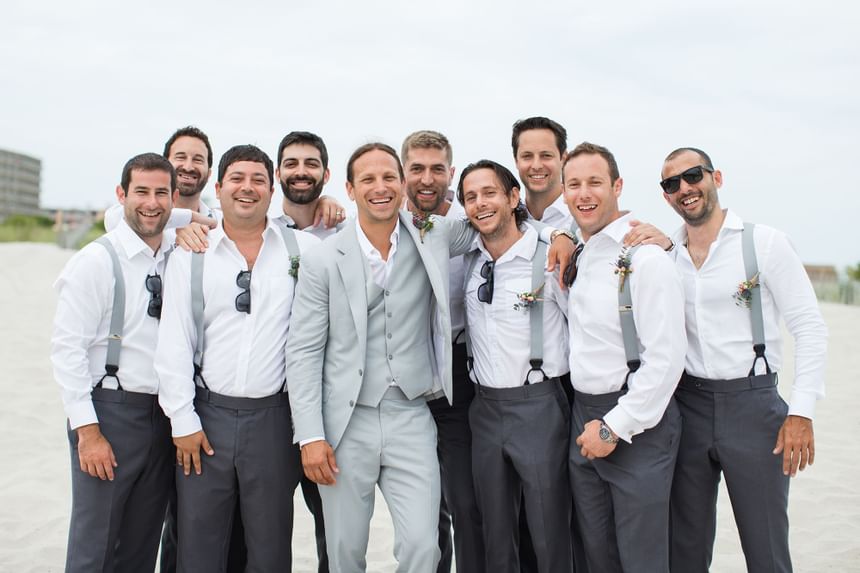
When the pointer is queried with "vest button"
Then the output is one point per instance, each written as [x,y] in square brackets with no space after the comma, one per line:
[387,293]
[360,372]
[389,315]
[389,335]
[391,357]
[351,403]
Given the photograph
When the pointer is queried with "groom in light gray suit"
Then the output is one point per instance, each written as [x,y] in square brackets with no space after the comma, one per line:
[369,344]
[361,325]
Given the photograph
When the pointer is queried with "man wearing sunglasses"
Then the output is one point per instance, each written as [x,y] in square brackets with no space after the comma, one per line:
[102,349]
[627,345]
[222,370]
[735,422]
[520,416]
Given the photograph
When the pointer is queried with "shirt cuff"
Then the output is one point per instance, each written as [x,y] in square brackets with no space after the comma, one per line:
[546,234]
[802,404]
[185,425]
[81,413]
[620,422]
[303,443]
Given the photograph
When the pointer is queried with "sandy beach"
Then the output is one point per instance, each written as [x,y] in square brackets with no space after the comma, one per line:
[35,494]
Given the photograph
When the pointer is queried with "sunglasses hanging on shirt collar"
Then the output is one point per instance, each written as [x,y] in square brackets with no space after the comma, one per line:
[153,285]
[243,299]
[485,289]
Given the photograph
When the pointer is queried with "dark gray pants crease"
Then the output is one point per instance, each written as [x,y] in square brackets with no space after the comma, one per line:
[622,500]
[733,434]
[459,506]
[115,525]
[519,456]
[254,460]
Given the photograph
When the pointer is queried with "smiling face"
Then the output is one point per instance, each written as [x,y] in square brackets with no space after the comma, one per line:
[487,206]
[245,193]
[301,173]
[428,177]
[696,203]
[188,155]
[376,187]
[539,161]
[590,193]
[147,204]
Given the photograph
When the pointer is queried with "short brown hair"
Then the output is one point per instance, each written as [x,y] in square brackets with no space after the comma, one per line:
[367,148]
[586,148]
[427,139]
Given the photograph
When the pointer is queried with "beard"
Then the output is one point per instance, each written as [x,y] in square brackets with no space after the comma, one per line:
[304,196]
[703,214]
[427,204]
[191,189]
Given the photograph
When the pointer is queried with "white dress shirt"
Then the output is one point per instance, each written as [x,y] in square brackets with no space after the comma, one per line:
[501,334]
[556,215]
[598,364]
[85,291]
[320,231]
[719,331]
[379,269]
[244,354]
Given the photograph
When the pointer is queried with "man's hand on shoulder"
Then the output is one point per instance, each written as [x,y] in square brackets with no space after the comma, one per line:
[319,463]
[193,237]
[647,234]
[329,211]
[95,452]
[796,443]
[188,451]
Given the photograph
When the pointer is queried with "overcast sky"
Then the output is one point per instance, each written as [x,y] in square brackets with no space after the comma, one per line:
[769,89]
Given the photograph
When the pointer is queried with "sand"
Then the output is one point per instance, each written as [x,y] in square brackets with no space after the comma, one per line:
[35,496]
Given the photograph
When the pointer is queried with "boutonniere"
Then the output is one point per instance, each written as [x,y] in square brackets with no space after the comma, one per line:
[422,222]
[743,296]
[622,267]
[294,267]
[528,299]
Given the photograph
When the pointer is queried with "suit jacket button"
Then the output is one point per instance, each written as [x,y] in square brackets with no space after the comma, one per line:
[360,372]
[351,403]
[387,293]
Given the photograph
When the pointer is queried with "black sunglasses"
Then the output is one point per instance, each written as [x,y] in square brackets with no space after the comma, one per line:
[243,299]
[485,290]
[153,285]
[692,175]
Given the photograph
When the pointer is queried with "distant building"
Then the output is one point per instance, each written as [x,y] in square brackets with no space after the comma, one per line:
[822,273]
[20,182]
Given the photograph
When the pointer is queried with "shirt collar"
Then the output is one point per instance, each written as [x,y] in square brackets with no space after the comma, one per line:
[367,247]
[217,235]
[524,248]
[133,245]
[732,222]
[616,229]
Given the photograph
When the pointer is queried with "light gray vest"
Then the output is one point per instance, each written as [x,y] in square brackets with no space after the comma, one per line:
[398,328]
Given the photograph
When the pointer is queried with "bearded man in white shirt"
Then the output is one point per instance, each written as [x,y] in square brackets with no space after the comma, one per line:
[230,401]
[109,301]
[520,416]
[626,356]
[735,421]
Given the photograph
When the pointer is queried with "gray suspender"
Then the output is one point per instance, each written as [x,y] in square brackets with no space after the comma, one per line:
[117,318]
[628,326]
[197,302]
[535,311]
[756,316]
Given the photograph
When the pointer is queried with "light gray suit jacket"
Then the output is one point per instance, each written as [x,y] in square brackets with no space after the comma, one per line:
[326,346]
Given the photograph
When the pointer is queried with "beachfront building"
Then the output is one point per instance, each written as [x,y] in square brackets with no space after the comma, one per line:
[20,182]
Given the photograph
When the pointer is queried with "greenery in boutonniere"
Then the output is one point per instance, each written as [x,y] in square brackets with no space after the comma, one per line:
[622,267]
[743,296]
[528,299]
[294,267]
[423,222]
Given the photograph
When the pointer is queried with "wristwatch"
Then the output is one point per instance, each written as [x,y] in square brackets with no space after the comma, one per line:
[564,232]
[606,434]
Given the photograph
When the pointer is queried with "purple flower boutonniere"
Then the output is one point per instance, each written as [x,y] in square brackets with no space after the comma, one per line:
[294,267]
[423,222]
[743,296]
[528,299]
[622,267]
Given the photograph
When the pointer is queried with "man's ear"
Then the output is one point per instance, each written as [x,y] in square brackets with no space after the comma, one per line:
[326,175]
[120,194]
[616,188]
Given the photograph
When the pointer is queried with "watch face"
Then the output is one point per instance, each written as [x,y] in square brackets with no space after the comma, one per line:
[604,434]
